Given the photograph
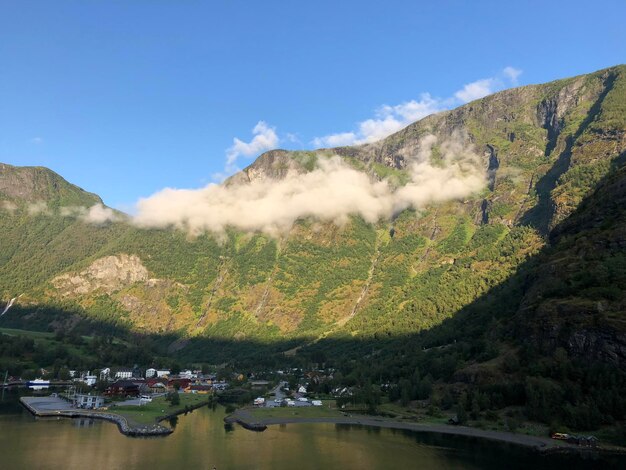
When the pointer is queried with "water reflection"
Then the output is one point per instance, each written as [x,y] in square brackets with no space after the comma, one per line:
[83,422]
[173,421]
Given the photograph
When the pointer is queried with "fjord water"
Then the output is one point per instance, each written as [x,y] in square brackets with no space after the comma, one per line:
[202,441]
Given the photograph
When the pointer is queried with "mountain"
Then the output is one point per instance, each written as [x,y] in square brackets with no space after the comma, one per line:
[23,185]
[508,294]
[543,147]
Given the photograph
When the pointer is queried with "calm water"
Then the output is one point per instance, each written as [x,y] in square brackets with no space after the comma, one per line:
[201,441]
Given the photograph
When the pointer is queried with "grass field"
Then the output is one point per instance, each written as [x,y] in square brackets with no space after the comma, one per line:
[157,408]
[45,335]
[302,411]
[27,333]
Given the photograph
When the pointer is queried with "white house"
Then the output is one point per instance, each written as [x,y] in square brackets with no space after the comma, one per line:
[187,374]
[124,374]
[162,372]
[105,373]
[88,401]
[89,380]
[150,373]
[302,389]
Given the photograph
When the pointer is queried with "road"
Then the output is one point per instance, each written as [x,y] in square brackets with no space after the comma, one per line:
[280,395]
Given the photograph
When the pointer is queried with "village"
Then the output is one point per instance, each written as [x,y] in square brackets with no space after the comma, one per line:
[126,386]
[139,400]
[132,386]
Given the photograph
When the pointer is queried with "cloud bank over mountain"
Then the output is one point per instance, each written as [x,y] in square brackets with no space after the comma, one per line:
[331,192]
[96,214]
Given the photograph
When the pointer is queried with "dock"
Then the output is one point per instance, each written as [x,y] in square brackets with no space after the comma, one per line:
[52,406]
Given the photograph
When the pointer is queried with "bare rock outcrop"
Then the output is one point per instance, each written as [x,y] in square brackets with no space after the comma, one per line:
[108,274]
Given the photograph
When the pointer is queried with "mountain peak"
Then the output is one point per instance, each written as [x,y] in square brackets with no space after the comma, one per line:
[32,184]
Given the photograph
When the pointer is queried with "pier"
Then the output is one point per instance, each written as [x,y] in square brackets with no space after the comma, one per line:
[52,406]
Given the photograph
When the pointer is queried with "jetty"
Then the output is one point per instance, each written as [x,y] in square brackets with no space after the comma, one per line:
[245,423]
[51,406]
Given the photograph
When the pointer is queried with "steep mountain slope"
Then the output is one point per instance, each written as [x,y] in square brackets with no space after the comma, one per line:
[548,344]
[543,149]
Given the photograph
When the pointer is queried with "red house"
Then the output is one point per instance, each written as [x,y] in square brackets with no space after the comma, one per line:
[124,388]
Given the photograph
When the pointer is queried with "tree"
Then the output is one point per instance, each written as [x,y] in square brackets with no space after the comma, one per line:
[405,392]
[174,398]
[370,396]
[461,414]
[64,373]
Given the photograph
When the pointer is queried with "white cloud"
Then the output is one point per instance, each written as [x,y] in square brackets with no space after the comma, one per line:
[372,130]
[265,138]
[36,140]
[512,74]
[391,119]
[331,192]
[99,214]
[336,140]
[292,138]
[96,214]
[38,208]
[475,90]
[414,110]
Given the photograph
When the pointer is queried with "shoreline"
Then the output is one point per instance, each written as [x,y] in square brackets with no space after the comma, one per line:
[250,423]
[537,443]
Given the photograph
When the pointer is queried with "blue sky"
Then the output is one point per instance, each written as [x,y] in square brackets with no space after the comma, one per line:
[125,98]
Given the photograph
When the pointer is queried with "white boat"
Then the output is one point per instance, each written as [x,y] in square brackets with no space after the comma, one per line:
[38,384]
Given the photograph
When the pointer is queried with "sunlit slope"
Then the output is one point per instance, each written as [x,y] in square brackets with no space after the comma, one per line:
[543,148]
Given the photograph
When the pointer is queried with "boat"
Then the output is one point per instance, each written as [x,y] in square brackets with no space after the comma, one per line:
[38,384]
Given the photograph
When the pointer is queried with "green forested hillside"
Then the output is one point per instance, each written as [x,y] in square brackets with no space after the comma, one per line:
[512,296]
[548,342]
[545,147]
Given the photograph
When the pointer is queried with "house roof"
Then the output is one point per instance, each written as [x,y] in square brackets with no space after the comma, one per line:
[153,381]
[199,387]
[124,384]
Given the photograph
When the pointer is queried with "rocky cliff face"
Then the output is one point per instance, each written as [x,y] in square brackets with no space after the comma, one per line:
[531,138]
[575,300]
[272,165]
[20,185]
[108,274]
